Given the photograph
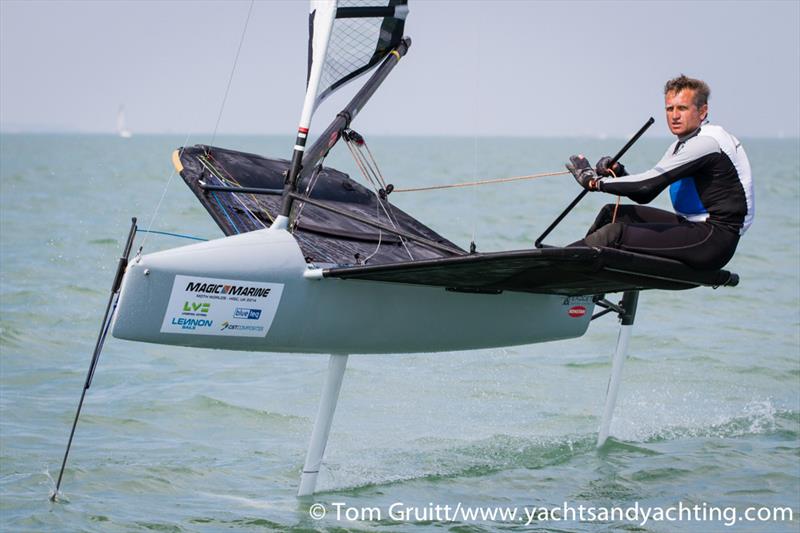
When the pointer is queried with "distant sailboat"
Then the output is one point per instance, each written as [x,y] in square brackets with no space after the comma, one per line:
[122,131]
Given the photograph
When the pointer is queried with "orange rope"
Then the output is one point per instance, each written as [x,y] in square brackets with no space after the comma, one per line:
[483,182]
[619,199]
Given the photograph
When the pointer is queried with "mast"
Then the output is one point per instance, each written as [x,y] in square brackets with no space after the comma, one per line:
[330,136]
[327,74]
[320,25]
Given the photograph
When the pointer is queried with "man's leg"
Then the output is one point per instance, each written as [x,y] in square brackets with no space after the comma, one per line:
[604,233]
[652,231]
[633,214]
[699,245]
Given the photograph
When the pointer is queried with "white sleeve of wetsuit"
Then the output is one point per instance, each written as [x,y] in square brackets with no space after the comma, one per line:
[645,186]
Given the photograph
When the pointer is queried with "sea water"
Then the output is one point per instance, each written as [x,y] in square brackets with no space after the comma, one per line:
[180,439]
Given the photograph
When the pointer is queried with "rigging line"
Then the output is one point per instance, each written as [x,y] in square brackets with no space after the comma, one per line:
[372,172]
[366,172]
[163,194]
[379,176]
[483,182]
[359,158]
[235,198]
[327,206]
[215,173]
[233,70]
[371,181]
[380,239]
[368,165]
[309,188]
[359,162]
[474,199]
[225,212]
[476,121]
[209,162]
[172,234]
[372,165]
[374,161]
[619,200]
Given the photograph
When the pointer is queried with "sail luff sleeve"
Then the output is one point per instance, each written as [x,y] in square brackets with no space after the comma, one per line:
[320,25]
[321,17]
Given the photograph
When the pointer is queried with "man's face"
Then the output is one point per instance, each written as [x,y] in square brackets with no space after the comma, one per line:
[683,116]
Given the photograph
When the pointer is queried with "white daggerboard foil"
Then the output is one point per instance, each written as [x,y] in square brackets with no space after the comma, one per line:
[224,307]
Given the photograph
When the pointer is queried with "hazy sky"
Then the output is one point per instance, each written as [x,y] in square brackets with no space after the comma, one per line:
[475,67]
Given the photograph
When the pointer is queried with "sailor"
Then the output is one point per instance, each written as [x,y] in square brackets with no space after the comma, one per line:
[708,174]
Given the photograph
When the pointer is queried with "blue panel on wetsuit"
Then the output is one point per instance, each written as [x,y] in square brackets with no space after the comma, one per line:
[685,198]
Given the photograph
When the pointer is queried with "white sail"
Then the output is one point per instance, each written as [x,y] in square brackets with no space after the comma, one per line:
[346,39]
[364,33]
[321,16]
[122,130]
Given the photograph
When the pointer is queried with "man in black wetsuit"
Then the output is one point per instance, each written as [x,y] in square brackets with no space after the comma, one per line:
[708,174]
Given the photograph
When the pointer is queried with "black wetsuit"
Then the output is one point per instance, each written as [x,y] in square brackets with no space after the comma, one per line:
[712,192]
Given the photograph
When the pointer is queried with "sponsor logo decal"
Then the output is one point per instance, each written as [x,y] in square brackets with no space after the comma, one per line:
[577,311]
[233,290]
[195,308]
[240,327]
[576,300]
[249,314]
[222,307]
[191,323]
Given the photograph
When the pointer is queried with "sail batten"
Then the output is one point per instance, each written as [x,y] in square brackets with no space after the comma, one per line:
[398,11]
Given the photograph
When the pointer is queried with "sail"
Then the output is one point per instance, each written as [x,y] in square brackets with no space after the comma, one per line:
[363,33]
[122,130]
[346,39]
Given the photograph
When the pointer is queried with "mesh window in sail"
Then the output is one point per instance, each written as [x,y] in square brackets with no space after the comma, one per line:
[357,44]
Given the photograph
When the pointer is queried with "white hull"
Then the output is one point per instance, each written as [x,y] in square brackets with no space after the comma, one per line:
[321,315]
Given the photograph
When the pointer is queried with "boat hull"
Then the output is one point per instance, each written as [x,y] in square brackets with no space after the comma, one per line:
[255,292]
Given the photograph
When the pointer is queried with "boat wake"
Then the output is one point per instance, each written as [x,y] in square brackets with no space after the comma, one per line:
[432,460]
[644,420]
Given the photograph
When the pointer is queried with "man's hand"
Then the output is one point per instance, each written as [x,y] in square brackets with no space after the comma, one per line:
[583,172]
[603,169]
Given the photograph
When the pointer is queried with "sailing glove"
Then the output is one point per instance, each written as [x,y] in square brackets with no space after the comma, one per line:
[583,172]
[603,168]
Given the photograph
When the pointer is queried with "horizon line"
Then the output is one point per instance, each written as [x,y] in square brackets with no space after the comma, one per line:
[596,136]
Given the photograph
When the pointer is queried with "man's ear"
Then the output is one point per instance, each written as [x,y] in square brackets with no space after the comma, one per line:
[704,111]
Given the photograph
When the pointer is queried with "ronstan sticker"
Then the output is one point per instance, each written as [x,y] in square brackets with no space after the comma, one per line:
[224,307]
[577,311]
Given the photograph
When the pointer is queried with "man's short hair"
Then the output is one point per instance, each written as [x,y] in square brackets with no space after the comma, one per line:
[701,90]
